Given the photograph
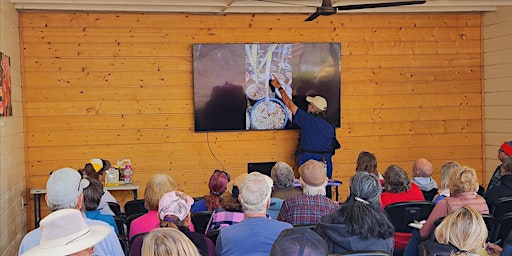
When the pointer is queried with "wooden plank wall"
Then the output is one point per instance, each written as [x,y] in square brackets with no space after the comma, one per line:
[119,85]
[497,41]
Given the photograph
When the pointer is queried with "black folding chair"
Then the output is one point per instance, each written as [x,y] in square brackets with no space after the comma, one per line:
[429,195]
[134,206]
[122,236]
[493,227]
[213,234]
[200,221]
[402,213]
[116,209]
[501,207]
[505,227]
[310,226]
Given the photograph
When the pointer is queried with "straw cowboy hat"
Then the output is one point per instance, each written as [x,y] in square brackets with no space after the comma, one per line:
[64,232]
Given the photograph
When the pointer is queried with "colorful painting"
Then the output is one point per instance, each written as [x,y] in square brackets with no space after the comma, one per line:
[5,85]
[231,90]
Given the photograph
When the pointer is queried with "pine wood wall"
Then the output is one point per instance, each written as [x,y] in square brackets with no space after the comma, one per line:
[119,85]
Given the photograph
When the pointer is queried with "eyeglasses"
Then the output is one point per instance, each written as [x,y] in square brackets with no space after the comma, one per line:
[225,173]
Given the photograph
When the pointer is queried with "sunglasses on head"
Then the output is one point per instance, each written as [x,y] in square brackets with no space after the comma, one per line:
[225,173]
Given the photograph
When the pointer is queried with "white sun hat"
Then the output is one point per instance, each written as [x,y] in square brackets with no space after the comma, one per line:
[64,232]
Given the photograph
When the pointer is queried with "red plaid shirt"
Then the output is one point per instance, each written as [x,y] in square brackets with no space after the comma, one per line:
[304,209]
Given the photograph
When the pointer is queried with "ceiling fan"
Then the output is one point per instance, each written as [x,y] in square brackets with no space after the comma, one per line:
[327,9]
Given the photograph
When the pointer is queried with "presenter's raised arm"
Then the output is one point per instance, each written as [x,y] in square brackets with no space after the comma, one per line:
[286,99]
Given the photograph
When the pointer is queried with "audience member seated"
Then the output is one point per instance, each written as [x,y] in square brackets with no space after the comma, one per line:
[231,211]
[256,233]
[156,187]
[217,186]
[367,162]
[463,185]
[299,241]
[283,178]
[96,168]
[422,171]
[398,188]
[504,187]
[284,187]
[63,233]
[496,250]
[444,191]
[359,224]
[92,197]
[504,152]
[168,242]
[462,232]
[64,190]
[312,203]
[174,212]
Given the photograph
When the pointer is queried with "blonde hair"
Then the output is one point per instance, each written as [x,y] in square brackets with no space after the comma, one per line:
[463,228]
[168,242]
[156,187]
[446,169]
[463,179]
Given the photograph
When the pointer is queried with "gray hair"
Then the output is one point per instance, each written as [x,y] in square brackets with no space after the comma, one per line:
[71,205]
[282,175]
[254,193]
[366,186]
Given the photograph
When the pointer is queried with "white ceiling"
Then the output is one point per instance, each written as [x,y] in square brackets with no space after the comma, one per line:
[249,6]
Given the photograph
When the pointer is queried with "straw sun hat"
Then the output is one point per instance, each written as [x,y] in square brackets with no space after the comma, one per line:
[64,232]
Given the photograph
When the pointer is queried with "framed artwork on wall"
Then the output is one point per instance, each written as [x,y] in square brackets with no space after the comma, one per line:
[5,85]
[231,83]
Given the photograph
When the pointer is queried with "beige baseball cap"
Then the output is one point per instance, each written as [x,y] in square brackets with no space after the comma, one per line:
[318,101]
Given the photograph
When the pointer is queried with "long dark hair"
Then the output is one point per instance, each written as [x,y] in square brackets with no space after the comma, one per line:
[362,213]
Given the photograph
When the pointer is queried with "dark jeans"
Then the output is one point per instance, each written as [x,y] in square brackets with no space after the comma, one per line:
[412,248]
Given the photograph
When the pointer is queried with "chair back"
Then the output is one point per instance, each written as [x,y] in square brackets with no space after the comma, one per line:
[135,244]
[493,227]
[502,206]
[402,213]
[134,206]
[362,253]
[310,226]
[213,234]
[429,195]
[123,237]
[505,227]
[115,208]
[201,220]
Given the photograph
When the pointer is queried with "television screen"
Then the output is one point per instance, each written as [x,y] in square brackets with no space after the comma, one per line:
[231,83]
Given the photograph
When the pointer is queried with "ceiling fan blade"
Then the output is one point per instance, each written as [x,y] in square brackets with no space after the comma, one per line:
[377,5]
[312,16]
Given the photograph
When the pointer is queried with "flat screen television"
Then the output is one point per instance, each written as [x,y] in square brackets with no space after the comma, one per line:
[231,91]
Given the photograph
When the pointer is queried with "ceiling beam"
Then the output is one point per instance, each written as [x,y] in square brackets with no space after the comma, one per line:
[250,6]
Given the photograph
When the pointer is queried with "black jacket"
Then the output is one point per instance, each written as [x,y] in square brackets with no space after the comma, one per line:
[504,189]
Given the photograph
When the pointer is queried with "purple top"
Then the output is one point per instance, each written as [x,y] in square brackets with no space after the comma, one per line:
[222,218]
